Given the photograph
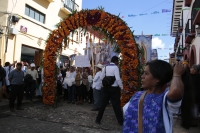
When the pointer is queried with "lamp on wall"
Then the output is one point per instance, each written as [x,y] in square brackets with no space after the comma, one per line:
[15,19]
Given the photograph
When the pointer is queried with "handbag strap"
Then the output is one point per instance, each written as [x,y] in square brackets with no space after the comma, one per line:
[140,110]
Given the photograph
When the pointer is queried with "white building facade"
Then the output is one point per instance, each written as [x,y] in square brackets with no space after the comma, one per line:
[26,24]
[186,30]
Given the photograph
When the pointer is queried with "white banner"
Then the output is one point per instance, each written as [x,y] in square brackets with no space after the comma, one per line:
[82,61]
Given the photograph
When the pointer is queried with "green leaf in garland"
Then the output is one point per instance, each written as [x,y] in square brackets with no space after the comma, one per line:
[100,8]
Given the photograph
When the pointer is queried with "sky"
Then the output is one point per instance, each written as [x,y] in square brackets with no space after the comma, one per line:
[149,24]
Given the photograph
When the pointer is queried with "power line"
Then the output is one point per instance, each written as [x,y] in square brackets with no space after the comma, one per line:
[152,7]
[155,6]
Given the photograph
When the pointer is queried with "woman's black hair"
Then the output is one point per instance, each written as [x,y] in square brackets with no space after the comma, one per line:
[187,101]
[161,70]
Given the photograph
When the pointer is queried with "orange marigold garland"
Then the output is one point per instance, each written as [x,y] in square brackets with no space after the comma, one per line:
[111,24]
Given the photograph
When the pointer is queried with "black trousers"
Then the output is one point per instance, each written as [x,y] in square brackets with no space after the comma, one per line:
[85,94]
[65,94]
[113,94]
[16,91]
[59,89]
[90,95]
[30,88]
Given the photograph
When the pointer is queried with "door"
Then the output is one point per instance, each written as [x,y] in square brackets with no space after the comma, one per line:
[38,57]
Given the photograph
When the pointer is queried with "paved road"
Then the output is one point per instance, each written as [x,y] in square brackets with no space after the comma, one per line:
[66,118]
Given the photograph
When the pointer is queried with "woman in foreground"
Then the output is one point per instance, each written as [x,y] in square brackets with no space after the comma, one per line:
[160,101]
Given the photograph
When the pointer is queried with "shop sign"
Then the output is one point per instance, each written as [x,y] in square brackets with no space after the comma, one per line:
[23,29]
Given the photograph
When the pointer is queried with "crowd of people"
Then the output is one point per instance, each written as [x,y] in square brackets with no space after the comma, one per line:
[79,85]
[168,91]
[19,79]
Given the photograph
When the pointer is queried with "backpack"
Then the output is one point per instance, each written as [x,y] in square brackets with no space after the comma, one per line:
[108,80]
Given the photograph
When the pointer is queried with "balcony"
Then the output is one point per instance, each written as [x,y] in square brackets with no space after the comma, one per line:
[175,49]
[50,0]
[189,31]
[175,45]
[188,3]
[69,6]
[180,26]
[177,39]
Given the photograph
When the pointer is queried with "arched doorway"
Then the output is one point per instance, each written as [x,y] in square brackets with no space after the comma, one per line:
[112,27]
[192,55]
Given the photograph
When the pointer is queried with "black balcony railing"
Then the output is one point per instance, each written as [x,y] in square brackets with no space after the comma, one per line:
[177,37]
[190,28]
[71,5]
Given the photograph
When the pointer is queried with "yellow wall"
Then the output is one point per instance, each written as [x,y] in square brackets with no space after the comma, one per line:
[3,8]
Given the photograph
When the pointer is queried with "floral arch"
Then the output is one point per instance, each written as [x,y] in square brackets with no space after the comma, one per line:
[114,28]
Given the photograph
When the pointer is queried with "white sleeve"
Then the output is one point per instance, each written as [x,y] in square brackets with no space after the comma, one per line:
[173,107]
[96,77]
[169,108]
[125,107]
[103,74]
[118,79]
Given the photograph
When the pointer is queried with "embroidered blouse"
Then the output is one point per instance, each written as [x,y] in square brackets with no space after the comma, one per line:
[157,113]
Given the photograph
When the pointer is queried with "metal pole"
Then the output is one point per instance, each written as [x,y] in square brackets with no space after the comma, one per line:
[7,32]
[91,48]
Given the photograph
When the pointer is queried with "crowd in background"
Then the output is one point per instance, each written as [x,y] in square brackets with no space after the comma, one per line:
[79,85]
[74,85]
[32,85]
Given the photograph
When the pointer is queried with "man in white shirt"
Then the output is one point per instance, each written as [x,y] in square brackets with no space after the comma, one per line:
[8,68]
[97,88]
[71,89]
[112,93]
[31,86]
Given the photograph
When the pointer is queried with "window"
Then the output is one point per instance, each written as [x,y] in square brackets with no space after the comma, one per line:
[33,13]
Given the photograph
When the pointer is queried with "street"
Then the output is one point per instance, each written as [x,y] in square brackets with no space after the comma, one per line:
[66,118]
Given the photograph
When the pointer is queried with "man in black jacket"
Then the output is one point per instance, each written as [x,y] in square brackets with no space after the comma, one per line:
[2,79]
